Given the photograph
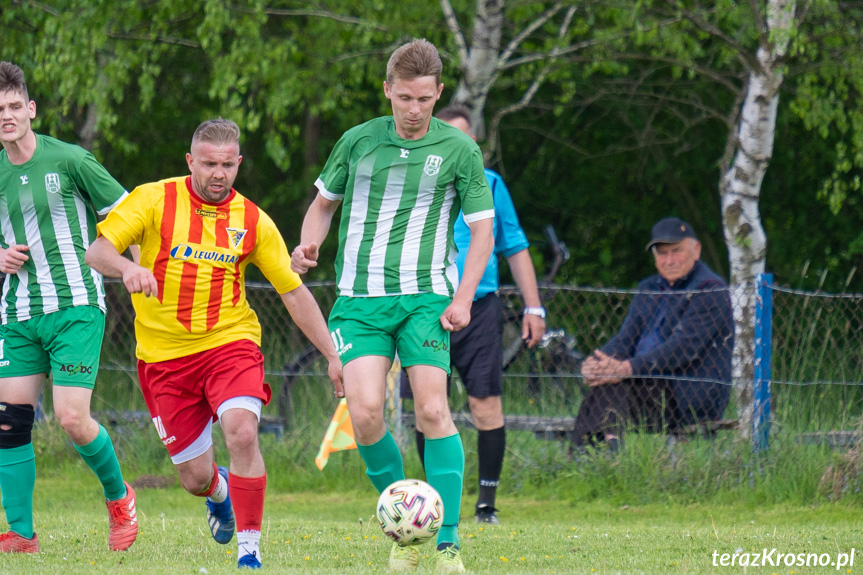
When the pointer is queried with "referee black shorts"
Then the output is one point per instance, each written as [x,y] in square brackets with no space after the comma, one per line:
[476,351]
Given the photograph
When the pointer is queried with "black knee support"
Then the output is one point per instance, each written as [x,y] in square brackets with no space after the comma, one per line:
[19,417]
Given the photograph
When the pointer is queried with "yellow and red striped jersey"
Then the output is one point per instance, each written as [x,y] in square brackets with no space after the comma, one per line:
[198,253]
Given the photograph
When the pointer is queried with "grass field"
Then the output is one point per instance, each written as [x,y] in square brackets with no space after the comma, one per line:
[330,533]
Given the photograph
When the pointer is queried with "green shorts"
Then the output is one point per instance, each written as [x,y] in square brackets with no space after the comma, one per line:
[65,343]
[362,326]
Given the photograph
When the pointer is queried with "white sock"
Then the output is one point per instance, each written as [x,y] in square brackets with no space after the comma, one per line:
[249,542]
[221,491]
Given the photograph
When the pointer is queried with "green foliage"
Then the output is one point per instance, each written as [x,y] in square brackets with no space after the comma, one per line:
[809,246]
[824,95]
[628,126]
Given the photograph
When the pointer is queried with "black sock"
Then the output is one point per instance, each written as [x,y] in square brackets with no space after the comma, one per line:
[491,446]
[421,447]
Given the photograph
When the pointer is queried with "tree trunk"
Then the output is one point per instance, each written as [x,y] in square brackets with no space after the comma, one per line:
[740,187]
[482,58]
[87,132]
[311,154]
[485,59]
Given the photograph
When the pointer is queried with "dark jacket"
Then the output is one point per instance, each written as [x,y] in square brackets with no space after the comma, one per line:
[685,334]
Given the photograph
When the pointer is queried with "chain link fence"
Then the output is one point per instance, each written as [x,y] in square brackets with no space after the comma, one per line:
[816,386]
[817,379]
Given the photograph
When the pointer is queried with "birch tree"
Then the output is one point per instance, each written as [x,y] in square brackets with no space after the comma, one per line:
[752,147]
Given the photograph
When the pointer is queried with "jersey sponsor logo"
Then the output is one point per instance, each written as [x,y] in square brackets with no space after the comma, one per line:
[339,342]
[211,214]
[52,183]
[436,345]
[24,180]
[214,257]
[73,369]
[181,252]
[184,253]
[236,235]
[433,164]
[404,153]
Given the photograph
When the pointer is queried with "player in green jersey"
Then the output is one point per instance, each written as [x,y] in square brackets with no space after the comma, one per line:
[52,310]
[401,181]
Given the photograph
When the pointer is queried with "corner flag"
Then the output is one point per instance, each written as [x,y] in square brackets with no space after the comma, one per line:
[339,436]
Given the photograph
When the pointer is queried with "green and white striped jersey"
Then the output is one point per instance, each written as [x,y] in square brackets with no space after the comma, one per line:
[48,204]
[401,198]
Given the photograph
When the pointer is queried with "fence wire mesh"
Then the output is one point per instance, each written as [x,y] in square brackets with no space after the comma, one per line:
[817,363]
[817,380]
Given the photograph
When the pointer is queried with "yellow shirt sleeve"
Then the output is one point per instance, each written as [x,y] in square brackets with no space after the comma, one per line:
[272,258]
[126,223]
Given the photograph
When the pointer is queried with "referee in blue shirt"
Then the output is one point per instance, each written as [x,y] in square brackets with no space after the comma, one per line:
[477,350]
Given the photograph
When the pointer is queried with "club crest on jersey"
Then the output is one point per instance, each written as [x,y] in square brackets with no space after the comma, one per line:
[236,236]
[52,183]
[181,252]
[432,166]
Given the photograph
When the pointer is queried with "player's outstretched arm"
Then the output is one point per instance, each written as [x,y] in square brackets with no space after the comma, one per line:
[12,258]
[457,315]
[316,225]
[103,257]
[305,312]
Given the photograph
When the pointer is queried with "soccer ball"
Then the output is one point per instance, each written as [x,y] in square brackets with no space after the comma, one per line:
[410,512]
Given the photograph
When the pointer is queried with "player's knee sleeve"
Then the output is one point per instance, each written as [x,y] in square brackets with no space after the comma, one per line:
[19,419]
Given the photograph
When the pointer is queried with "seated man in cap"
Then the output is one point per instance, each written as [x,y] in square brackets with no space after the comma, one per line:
[670,363]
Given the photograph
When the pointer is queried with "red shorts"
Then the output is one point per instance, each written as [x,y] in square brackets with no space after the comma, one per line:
[183,394]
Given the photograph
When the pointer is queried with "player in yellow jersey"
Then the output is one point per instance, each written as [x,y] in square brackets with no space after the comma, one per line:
[198,340]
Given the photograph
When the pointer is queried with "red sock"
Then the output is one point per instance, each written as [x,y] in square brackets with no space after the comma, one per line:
[247,498]
[214,482]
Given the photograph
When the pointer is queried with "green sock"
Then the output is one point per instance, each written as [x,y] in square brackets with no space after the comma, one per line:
[444,459]
[447,534]
[383,461]
[99,455]
[17,479]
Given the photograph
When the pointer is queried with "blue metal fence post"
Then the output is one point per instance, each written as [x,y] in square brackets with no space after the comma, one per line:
[763,354]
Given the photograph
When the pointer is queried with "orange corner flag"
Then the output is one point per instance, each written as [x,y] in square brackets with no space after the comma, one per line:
[339,436]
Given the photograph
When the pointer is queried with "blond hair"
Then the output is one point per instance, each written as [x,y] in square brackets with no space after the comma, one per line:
[217,132]
[414,60]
